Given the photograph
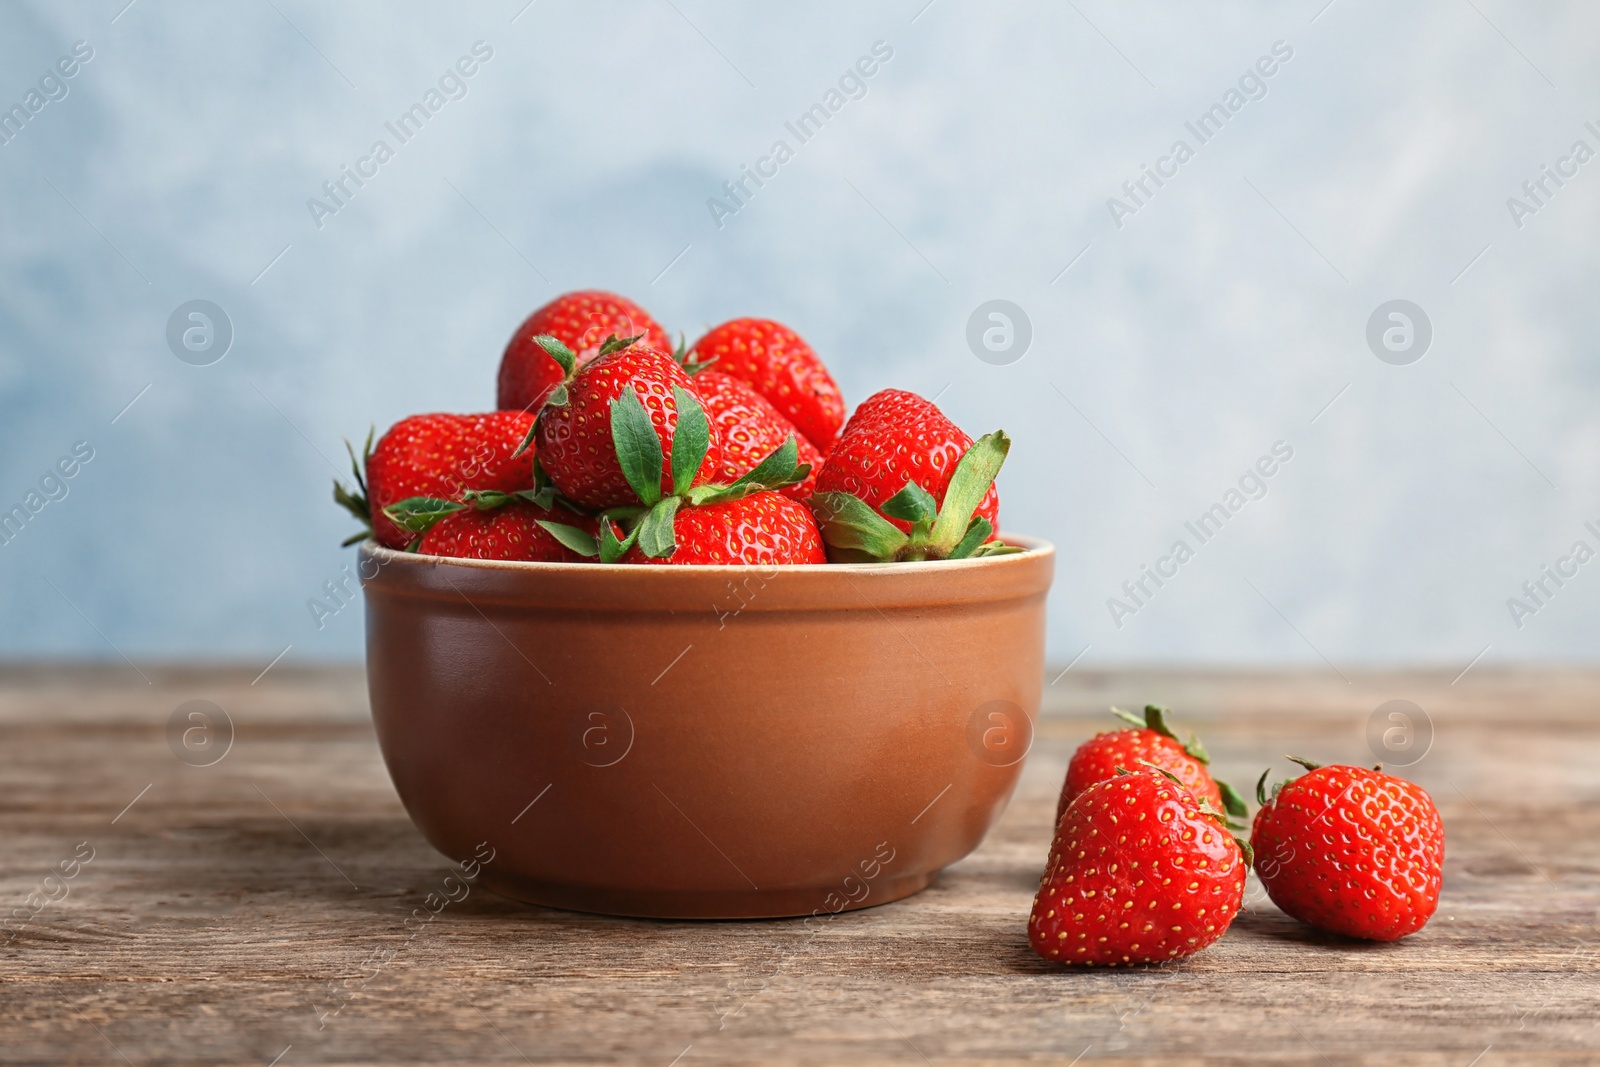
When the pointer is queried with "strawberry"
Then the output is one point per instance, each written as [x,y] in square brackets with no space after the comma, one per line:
[577,434]
[688,520]
[904,483]
[783,368]
[749,428]
[512,530]
[763,528]
[1139,872]
[1353,851]
[436,457]
[1148,742]
[581,321]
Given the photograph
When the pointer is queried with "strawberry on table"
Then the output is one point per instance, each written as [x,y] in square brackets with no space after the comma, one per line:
[1350,850]
[575,432]
[905,483]
[1139,872]
[782,368]
[437,456]
[750,428]
[582,321]
[1148,741]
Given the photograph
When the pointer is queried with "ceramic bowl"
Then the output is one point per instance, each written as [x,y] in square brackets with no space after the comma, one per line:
[705,742]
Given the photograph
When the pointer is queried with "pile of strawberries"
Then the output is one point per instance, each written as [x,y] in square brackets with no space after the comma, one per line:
[1145,867]
[610,445]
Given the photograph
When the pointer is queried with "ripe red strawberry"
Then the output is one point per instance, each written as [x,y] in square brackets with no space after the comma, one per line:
[508,532]
[750,428]
[901,468]
[688,521]
[1357,852]
[437,456]
[895,437]
[763,528]
[1149,741]
[783,368]
[581,321]
[1138,873]
[576,437]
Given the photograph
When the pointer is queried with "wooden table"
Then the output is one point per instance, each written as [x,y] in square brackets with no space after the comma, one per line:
[251,911]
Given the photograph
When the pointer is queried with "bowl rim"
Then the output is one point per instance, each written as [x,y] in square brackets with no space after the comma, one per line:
[1034,548]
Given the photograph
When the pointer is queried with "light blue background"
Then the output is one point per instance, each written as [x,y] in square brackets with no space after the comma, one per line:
[1221,318]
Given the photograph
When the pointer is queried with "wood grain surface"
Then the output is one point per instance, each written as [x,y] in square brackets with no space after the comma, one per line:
[252,911]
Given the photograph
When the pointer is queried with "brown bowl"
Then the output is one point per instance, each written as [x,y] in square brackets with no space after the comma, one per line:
[705,742]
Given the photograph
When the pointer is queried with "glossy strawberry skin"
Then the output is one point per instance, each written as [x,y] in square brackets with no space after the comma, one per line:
[581,321]
[442,456]
[1137,874]
[1098,758]
[509,532]
[764,528]
[783,368]
[574,441]
[1353,851]
[892,438]
[750,429]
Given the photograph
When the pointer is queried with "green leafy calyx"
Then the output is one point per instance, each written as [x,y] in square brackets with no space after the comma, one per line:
[613,343]
[638,448]
[1231,800]
[691,362]
[651,526]
[856,533]
[356,503]
[582,542]
[418,514]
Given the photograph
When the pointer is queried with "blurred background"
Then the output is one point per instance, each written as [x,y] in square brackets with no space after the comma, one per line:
[1170,318]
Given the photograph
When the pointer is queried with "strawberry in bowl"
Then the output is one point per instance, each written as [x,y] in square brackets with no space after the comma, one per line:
[905,483]
[781,367]
[647,625]
[434,457]
[581,321]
